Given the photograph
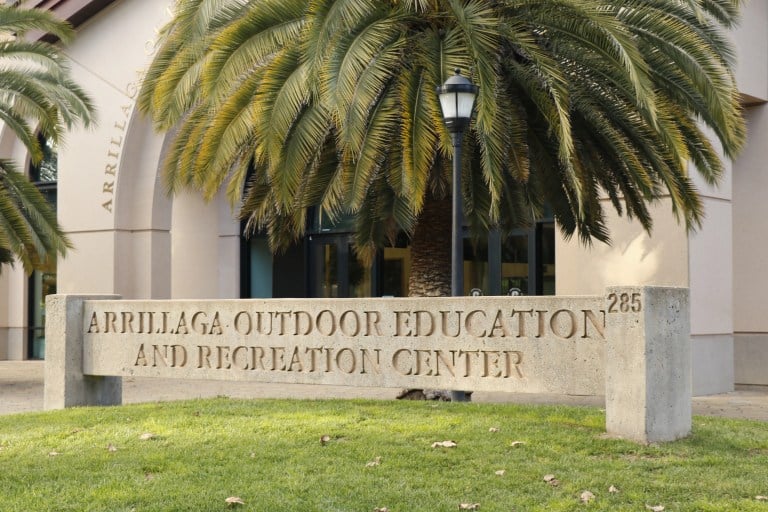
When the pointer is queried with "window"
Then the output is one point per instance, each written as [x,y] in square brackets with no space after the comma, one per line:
[42,282]
[522,263]
[323,264]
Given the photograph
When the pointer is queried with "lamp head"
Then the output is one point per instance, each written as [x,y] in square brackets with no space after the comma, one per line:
[457,98]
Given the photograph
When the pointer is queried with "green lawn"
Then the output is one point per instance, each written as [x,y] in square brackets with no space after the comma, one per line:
[269,453]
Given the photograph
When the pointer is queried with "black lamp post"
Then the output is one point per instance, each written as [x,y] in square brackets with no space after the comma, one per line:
[457,98]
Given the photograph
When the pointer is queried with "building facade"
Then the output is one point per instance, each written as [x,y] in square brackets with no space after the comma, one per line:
[133,240]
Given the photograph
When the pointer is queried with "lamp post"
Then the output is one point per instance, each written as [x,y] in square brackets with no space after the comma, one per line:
[457,98]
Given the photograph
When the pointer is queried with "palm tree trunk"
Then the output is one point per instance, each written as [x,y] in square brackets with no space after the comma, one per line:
[430,269]
[431,250]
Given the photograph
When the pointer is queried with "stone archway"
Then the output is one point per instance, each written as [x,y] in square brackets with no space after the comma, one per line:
[168,247]
[143,215]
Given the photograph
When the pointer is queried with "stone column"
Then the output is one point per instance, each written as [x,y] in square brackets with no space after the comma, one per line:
[648,363]
[65,383]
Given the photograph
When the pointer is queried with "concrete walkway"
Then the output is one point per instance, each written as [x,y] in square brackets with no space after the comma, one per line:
[21,390]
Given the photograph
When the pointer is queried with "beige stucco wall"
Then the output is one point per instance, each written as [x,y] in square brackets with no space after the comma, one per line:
[711,284]
[750,210]
[108,55]
[750,206]
[4,309]
[700,260]
[205,249]
[750,265]
[13,310]
[751,38]
[633,258]
[131,238]
[711,277]
[142,216]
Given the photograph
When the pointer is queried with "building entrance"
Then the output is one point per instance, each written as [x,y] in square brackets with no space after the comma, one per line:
[334,271]
[42,282]
[323,265]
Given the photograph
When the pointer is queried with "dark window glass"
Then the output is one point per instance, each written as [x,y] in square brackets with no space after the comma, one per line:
[476,266]
[42,283]
[322,223]
[514,265]
[323,264]
[47,171]
[548,259]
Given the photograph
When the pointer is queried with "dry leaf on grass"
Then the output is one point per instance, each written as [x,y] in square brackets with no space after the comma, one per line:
[146,436]
[586,497]
[501,472]
[53,454]
[382,509]
[493,429]
[516,444]
[613,490]
[656,508]
[551,480]
[375,462]
[111,448]
[469,506]
[444,444]
[761,498]
[233,501]
[325,439]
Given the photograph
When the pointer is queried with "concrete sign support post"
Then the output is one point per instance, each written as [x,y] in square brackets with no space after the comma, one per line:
[633,345]
[648,363]
[65,383]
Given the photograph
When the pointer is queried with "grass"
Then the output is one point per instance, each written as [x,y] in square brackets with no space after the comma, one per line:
[269,454]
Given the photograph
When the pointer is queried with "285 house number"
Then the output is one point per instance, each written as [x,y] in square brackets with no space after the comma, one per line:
[624,303]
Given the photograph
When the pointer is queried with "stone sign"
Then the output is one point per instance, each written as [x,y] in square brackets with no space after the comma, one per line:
[512,344]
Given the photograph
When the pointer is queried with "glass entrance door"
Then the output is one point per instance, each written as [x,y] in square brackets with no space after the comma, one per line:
[334,269]
[41,284]
[528,261]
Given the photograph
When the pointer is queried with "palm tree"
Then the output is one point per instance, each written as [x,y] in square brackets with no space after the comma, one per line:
[332,104]
[37,97]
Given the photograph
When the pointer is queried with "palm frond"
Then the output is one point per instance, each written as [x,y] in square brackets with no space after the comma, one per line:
[28,225]
[18,22]
[37,96]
